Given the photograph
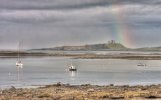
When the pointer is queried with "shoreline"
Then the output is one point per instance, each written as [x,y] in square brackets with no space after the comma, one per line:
[61,91]
[129,56]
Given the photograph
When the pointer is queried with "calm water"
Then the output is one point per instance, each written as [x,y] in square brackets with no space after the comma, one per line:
[49,70]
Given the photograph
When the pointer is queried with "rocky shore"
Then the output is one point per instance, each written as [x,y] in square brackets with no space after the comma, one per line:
[83,92]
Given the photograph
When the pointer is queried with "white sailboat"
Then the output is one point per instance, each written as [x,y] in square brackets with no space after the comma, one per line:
[72,67]
[141,64]
[19,63]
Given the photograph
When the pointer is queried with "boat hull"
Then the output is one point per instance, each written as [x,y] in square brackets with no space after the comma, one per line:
[19,65]
[72,69]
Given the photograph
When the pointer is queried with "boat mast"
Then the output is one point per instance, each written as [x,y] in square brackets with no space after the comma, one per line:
[71,63]
[18,58]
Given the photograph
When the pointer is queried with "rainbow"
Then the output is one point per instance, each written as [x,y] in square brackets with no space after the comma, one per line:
[120,28]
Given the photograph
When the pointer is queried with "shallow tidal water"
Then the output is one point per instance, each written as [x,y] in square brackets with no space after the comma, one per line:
[49,70]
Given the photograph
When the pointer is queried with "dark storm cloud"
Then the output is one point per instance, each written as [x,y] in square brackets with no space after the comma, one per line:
[67,4]
[51,4]
[37,10]
[149,2]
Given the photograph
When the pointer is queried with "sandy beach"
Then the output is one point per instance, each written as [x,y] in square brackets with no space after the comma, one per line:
[61,91]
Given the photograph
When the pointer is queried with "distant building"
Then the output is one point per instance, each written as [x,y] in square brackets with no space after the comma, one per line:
[111,42]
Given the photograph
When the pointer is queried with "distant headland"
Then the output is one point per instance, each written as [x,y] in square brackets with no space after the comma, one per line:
[110,45]
[67,51]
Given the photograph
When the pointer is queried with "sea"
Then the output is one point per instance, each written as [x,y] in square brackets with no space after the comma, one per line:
[40,71]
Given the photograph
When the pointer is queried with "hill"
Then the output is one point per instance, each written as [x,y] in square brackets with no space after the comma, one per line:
[103,46]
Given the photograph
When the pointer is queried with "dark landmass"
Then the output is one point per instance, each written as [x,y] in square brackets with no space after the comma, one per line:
[104,46]
[83,92]
[110,46]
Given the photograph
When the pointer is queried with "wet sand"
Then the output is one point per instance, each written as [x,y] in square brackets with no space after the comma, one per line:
[83,92]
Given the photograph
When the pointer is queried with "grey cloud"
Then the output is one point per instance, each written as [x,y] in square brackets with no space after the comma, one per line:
[50,4]
[49,36]
[38,11]
[148,2]
[31,16]
[66,4]
[46,23]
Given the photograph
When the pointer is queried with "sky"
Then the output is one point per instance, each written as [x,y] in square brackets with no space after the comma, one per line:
[50,23]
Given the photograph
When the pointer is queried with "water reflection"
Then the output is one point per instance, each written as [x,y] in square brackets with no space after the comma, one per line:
[19,73]
[72,75]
